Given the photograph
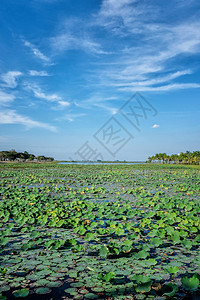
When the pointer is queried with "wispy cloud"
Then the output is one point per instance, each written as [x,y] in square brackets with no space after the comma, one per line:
[36,52]
[10,79]
[148,51]
[148,47]
[75,35]
[143,81]
[114,8]
[64,103]
[12,117]
[67,41]
[71,117]
[5,98]
[98,101]
[169,87]
[111,110]
[38,73]
[38,93]
[155,126]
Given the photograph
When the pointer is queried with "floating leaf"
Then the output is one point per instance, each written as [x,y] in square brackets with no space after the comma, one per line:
[91,296]
[156,242]
[143,287]
[21,293]
[191,284]
[173,270]
[140,278]
[103,251]
[142,254]
[171,288]
[71,291]
[107,277]
[43,291]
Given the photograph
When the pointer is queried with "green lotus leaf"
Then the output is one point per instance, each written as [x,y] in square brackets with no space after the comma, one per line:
[140,278]
[156,242]
[143,287]
[171,288]
[98,289]
[4,288]
[72,274]
[175,237]
[109,276]
[142,254]
[191,284]
[21,293]
[54,284]
[119,231]
[173,270]
[4,241]
[71,291]
[103,251]
[41,282]
[91,296]
[76,284]
[43,291]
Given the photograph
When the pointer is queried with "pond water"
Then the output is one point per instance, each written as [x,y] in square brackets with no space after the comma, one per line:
[100,163]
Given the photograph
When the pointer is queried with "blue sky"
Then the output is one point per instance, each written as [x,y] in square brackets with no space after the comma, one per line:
[67,67]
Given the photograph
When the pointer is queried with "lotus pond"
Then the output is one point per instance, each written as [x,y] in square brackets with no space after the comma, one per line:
[99,231]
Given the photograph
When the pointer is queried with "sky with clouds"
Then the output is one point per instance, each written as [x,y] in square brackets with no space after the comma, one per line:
[103,79]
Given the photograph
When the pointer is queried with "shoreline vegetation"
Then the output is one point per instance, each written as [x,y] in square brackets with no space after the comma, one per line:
[187,157]
[14,156]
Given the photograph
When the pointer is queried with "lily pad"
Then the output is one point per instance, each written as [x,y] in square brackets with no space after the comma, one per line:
[21,293]
[191,284]
[43,291]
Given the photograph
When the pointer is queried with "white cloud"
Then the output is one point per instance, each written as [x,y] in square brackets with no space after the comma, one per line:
[144,81]
[150,45]
[155,126]
[12,117]
[124,16]
[42,95]
[97,100]
[169,87]
[6,98]
[10,78]
[76,35]
[54,98]
[67,41]
[38,73]
[112,110]
[38,93]
[72,116]
[120,8]
[36,52]
[64,103]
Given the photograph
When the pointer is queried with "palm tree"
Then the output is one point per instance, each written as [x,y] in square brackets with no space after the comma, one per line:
[187,157]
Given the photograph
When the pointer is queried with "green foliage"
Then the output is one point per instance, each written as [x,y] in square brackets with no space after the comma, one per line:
[21,293]
[125,230]
[190,284]
[173,270]
[107,277]
[171,288]
[103,251]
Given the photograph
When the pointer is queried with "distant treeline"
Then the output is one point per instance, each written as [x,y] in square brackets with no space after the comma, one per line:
[12,155]
[181,158]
